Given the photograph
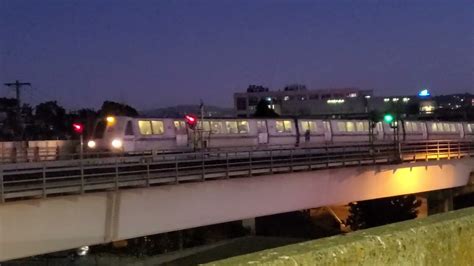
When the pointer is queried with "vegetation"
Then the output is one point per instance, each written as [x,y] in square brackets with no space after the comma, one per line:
[49,120]
[370,213]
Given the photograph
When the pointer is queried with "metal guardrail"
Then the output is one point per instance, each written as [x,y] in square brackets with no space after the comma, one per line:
[40,154]
[47,179]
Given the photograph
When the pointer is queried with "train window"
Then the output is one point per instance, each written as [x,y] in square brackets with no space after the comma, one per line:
[470,128]
[157,127]
[179,126]
[145,127]
[216,127]
[204,125]
[360,126]
[99,129]
[231,127]
[261,127]
[446,127]
[327,126]
[434,128]
[129,129]
[283,126]
[288,126]
[341,126]
[243,127]
[453,127]
[408,127]
[366,125]
[350,126]
[308,125]
[414,126]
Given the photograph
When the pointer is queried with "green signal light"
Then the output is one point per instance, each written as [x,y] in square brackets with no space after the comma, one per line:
[388,118]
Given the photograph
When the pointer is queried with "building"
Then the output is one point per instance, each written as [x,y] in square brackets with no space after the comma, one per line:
[297,100]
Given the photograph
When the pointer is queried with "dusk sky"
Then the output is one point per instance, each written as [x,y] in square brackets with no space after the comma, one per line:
[160,53]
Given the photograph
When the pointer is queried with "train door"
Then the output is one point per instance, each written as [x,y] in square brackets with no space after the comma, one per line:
[181,133]
[327,131]
[262,132]
[129,137]
[424,130]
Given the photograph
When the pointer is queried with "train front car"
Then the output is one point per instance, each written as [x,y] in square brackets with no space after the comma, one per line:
[108,135]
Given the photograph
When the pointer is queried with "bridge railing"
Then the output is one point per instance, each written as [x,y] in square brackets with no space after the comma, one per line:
[80,176]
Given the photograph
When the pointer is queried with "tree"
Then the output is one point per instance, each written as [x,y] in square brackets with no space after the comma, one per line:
[263,110]
[51,120]
[370,213]
[113,108]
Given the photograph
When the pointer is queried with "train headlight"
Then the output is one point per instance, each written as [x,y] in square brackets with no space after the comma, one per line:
[116,143]
[91,144]
[82,251]
[110,120]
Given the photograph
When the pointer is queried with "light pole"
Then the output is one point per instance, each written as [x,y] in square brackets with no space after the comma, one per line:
[79,129]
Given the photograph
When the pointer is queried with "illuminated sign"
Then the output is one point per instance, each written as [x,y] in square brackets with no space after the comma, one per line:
[424,93]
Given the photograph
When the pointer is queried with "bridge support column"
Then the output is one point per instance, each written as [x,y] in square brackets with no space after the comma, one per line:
[440,201]
[249,224]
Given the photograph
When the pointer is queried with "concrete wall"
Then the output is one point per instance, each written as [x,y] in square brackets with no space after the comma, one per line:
[442,239]
[46,225]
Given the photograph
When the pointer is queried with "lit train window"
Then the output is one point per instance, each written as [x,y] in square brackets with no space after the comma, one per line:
[157,127]
[350,126]
[243,127]
[453,127]
[366,126]
[204,125]
[408,127]
[231,127]
[145,127]
[434,128]
[283,126]
[446,127]
[414,126]
[216,127]
[179,126]
[309,125]
[341,126]
[360,126]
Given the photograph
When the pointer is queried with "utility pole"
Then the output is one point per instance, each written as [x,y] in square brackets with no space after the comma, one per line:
[17,85]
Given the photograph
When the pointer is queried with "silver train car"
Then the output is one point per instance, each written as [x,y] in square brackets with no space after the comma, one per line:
[128,134]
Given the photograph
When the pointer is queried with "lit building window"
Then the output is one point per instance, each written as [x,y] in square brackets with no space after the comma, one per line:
[427,109]
[335,101]
[352,95]
[406,99]
[367,96]
[395,99]
[286,98]
[386,100]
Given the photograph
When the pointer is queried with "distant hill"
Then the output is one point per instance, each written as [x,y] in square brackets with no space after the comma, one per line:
[181,110]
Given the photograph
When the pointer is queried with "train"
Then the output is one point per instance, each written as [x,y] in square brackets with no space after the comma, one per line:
[135,134]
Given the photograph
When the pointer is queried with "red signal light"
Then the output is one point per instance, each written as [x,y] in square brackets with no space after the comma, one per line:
[191,120]
[78,128]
